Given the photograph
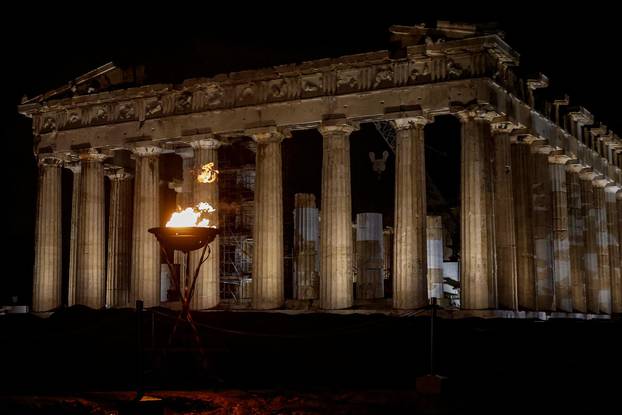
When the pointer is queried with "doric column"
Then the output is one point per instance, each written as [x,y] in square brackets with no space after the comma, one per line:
[145,284]
[576,230]
[592,282]
[617,307]
[73,237]
[91,277]
[46,288]
[207,289]
[119,263]
[561,237]
[505,236]
[306,247]
[602,244]
[476,214]
[336,219]
[368,243]
[611,193]
[183,199]
[434,234]
[410,284]
[543,226]
[268,229]
[521,186]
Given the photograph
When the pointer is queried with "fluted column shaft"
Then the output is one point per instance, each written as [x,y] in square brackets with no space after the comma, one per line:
[543,227]
[561,237]
[611,193]
[521,181]
[91,276]
[410,279]
[145,284]
[476,216]
[576,228]
[73,237]
[592,282]
[306,247]
[119,262]
[505,236]
[46,290]
[616,286]
[268,230]
[207,289]
[602,245]
[336,250]
[434,236]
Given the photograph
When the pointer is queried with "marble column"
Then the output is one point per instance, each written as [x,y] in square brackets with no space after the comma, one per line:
[592,282]
[543,226]
[611,193]
[410,282]
[268,226]
[91,276]
[336,249]
[306,247]
[505,235]
[73,237]
[602,245]
[46,289]
[145,280]
[523,224]
[119,262]
[561,236]
[477,276]
[434,232]
[576,229]
[368,243]
[183,199]
[207,288]
[617,306]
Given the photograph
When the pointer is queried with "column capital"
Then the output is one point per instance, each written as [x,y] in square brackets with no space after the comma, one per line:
[117,173]
[479,112]
[559,159]
[49,160]
[328,129]
[612,187]
[265,135]
[92,154]
[400,124]
[601,182]
[588,174]
[74,166]
[145,150]
[577,168]
[207,142]
[506,127]
[619,195]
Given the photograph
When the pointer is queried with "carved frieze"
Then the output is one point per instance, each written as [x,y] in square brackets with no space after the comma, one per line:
[383,77]
[347,80]
[49,124]
[312,84]
[183,102]
[153,108]
[246,93]
[100,114]
[126,111]
[277,89]
[213,95]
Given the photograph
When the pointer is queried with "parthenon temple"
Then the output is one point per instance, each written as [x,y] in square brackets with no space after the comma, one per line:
[540,199]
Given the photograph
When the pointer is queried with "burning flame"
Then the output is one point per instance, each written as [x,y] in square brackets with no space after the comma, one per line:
[191,217]
[209,174]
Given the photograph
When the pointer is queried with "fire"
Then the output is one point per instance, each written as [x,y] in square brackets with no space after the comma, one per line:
[191,217]
[209,174]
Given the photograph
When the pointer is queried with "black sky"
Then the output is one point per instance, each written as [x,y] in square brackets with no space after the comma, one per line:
[45,46]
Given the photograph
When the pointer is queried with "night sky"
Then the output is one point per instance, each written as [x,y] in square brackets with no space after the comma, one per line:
[575,46]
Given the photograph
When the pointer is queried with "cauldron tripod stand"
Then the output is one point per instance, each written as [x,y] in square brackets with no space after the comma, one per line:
[186,240]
